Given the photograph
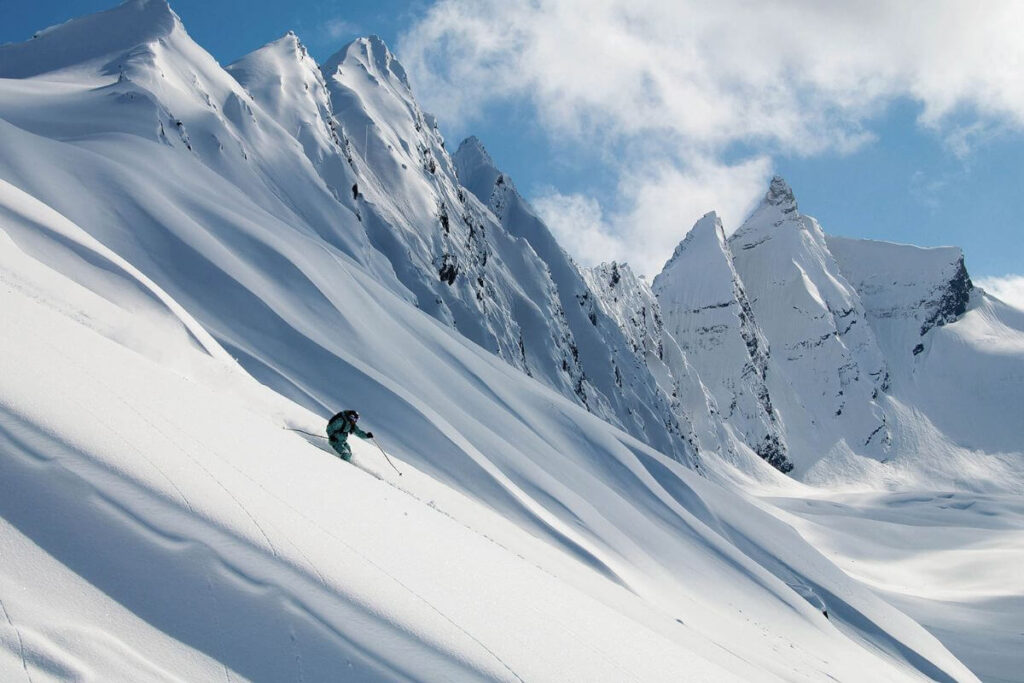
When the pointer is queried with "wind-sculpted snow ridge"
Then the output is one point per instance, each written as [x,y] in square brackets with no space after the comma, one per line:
[612,365]
[905,288]
[157,520]
[955,355]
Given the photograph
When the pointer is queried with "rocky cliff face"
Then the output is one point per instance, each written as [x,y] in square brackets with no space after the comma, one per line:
[611,357]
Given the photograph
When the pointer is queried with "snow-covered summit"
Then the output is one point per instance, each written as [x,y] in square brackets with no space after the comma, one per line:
[826,370]
[780,194]
[287,83]
[707,311]
[80,41]
[630,301]
[477,170]
[374,56]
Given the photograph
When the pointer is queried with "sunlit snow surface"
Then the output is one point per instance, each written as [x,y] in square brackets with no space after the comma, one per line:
[164,232]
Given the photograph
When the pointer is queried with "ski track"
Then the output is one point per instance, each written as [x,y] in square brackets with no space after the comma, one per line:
[263,533]
[217,620]
[21,643]
[624,675]
[187,453]
[216,560]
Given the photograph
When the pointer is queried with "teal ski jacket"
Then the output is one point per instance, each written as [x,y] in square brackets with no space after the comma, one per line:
[341,426]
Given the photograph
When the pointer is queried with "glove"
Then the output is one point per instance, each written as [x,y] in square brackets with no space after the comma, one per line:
[369,435]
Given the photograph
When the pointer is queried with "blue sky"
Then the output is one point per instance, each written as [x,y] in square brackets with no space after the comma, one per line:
[913,138]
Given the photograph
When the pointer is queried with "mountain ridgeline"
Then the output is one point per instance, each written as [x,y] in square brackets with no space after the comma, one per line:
[817,355]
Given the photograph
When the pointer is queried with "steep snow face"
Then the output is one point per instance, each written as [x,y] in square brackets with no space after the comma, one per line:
[179,476]
[631,302]
[615,375]
[399,185]
[906,290]
[705,308]
[287,84]
[826,369]
[955,354]
[446,247]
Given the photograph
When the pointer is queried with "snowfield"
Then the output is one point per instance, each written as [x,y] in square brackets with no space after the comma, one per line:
[199,265]
[167,493]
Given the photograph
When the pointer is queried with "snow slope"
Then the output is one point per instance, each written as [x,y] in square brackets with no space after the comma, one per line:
[159,220]
[950,559]
[172,490]
[185,535]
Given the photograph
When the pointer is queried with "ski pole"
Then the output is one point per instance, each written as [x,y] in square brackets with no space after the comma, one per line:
[386,455]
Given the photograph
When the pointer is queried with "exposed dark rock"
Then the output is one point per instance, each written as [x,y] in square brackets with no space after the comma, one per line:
[953,303]
[443,217]
[449,269]
[771,451]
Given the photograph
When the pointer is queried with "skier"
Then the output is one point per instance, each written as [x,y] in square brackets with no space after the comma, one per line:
[338,429]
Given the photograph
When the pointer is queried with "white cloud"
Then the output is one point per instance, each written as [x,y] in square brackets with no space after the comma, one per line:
[657,84]
[1009,288]
[800,73]
[578,220]
[659,204]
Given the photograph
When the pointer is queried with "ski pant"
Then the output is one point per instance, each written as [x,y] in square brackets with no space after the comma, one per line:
[342,448]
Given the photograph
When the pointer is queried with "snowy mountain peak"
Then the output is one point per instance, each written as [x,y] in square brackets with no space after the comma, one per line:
[709,224]
[288,44]
[478,173]
[374,55]
[79,41]
[291,41]
[706,231]
[707,311]
[471,150]
[630,302]
[780,194]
